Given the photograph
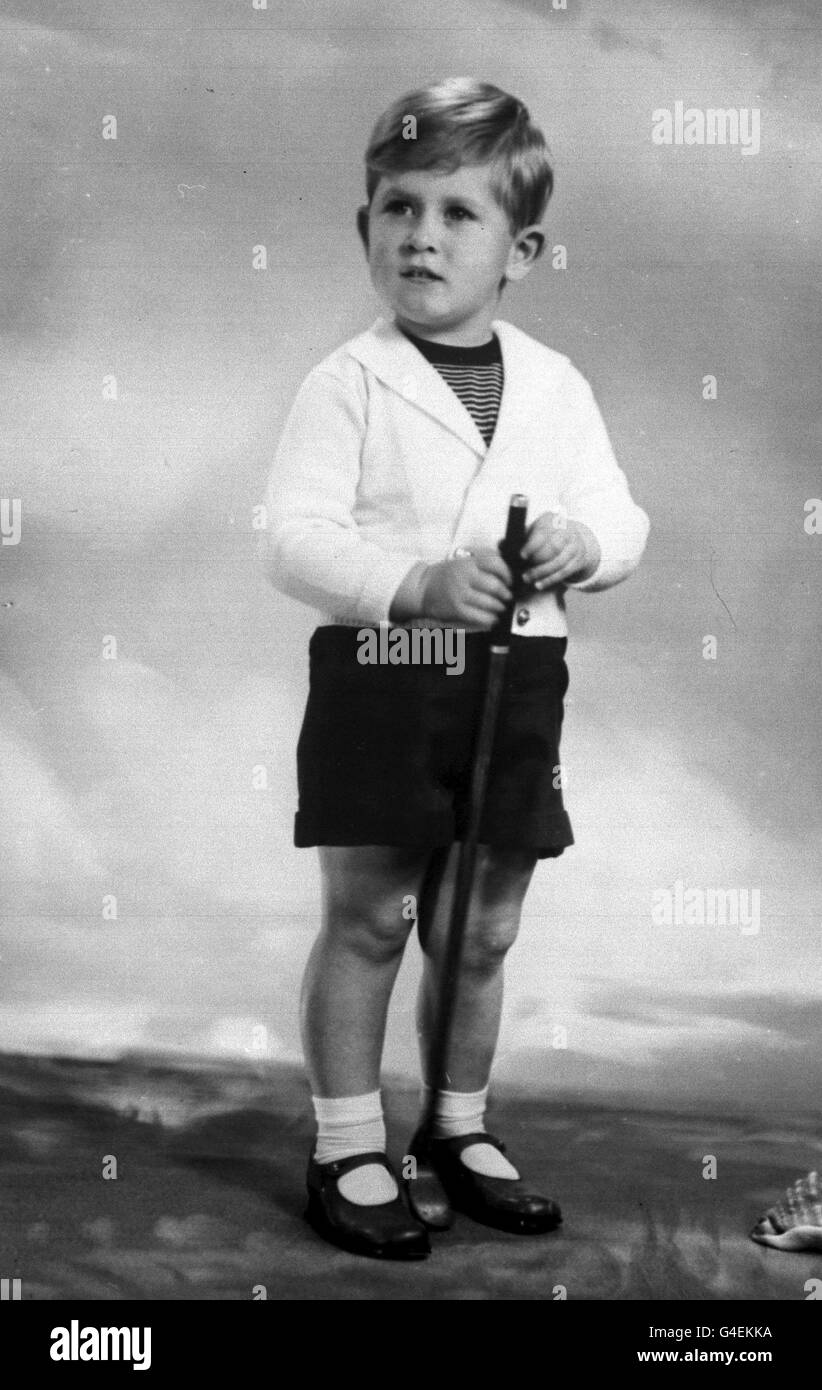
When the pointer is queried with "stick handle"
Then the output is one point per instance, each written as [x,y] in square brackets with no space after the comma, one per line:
[509,548]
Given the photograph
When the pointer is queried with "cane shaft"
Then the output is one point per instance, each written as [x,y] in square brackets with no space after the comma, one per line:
[463,885]
[466,863]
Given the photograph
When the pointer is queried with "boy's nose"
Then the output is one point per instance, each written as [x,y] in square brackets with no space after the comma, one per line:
[421,236]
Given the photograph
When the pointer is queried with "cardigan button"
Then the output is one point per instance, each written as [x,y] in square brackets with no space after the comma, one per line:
[523,616]
[410,389]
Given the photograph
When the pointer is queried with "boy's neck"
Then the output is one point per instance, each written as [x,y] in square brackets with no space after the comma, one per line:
[452,337]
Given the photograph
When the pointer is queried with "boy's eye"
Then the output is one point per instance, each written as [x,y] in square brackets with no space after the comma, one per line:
[399,206]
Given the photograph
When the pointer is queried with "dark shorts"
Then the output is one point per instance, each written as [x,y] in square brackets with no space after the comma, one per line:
[384,754]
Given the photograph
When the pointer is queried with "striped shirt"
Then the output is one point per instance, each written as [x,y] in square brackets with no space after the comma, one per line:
[474,375]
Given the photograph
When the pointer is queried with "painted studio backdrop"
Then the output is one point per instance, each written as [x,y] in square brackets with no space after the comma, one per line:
[178,250]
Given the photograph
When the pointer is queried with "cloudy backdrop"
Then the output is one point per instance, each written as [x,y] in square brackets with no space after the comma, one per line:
[134,777]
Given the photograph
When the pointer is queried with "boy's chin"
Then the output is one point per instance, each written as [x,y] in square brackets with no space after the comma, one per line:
[414,316]
[425,317]
[403,315]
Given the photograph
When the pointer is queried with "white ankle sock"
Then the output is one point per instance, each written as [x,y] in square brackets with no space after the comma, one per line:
[348,1125]
[463,1112]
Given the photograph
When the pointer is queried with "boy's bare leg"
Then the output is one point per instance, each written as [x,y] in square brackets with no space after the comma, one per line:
[500,884]
[344,1003]
[356,957]
[354,963]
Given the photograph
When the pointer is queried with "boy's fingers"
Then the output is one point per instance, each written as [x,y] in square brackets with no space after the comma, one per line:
[532,545]
[476,618]
[491,562]
[489,584]
[471,614]
[545,543]
[567,558]
[487,602]
[544,532]
[557,574]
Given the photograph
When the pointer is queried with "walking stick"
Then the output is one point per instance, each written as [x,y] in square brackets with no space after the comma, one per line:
[425,1192]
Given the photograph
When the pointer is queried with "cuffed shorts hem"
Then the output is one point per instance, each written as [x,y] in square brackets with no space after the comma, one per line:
[309,832]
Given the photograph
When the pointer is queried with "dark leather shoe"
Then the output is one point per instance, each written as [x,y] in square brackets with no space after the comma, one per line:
[504,1203]
[427,1197]
[385,1231]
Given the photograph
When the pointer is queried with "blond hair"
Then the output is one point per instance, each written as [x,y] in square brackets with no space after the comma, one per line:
[462,121]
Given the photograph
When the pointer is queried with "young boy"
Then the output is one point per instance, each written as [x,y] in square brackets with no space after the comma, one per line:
[385,505]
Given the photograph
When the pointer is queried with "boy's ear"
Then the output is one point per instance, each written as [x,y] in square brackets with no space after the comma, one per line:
[528,246]
[362,225]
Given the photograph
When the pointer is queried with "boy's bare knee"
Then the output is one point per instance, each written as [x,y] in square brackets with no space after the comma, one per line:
[494,923]
[377,935]
[368,892]
[489,938]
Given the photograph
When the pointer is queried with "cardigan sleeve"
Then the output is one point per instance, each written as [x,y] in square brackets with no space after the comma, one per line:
[595,492]
[311,547]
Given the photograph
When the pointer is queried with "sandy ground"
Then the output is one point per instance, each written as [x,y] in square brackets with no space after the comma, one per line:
[208,1195]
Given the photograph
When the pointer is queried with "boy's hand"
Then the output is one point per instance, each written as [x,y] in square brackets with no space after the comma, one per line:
[558,550]
[470,589]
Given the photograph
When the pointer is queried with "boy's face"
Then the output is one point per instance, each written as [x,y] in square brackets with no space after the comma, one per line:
[438,246]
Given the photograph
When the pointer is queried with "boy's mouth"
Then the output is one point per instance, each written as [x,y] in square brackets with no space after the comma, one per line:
[418,272]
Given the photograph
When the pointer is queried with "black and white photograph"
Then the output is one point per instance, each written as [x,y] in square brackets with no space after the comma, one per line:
[410,613]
